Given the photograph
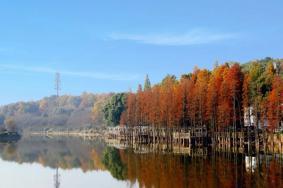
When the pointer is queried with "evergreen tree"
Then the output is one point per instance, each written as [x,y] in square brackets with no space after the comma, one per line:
[114,108]
[147,84]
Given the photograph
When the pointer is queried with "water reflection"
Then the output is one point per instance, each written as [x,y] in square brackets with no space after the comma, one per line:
[250,163]
[129,168]
[112,161]
[57,179]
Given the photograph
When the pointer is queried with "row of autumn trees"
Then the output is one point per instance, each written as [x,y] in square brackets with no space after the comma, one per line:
[217,99]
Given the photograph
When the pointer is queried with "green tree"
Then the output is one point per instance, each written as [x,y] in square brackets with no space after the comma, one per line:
[113,109]
[112,161]
[147,84]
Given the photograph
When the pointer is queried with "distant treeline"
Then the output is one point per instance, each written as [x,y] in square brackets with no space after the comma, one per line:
[56,112]
[228,97]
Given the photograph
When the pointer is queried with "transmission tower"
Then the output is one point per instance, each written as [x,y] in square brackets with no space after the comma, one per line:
[57,83]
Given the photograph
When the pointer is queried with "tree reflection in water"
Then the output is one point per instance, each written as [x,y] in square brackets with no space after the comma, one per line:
[154,169]
[112,161]
[215,170]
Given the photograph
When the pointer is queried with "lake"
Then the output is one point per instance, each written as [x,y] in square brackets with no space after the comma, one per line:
[73,162]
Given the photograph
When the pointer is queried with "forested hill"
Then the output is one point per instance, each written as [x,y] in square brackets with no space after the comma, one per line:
[59,112]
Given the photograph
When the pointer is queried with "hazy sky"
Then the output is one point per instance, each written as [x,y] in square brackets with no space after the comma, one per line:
[102,46]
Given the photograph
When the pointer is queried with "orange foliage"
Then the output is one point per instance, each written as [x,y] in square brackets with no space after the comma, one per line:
[213,99]
[275,103]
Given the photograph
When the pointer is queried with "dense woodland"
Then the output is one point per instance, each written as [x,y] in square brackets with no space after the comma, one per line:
[55,112]
[219,99]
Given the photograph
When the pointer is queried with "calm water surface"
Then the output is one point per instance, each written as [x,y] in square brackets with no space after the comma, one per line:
[38,162]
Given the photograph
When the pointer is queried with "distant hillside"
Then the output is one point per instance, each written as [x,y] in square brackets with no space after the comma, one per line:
[59,112]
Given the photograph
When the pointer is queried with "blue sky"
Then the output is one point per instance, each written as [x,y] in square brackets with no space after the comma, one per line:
[102,46]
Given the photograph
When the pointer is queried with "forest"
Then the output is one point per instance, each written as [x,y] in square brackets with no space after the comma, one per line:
[59,112]
[230,96]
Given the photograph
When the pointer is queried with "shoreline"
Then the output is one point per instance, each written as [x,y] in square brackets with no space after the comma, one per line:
[177,140]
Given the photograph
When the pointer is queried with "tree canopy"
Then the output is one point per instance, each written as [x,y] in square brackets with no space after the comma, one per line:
[114,108]
[217,99]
